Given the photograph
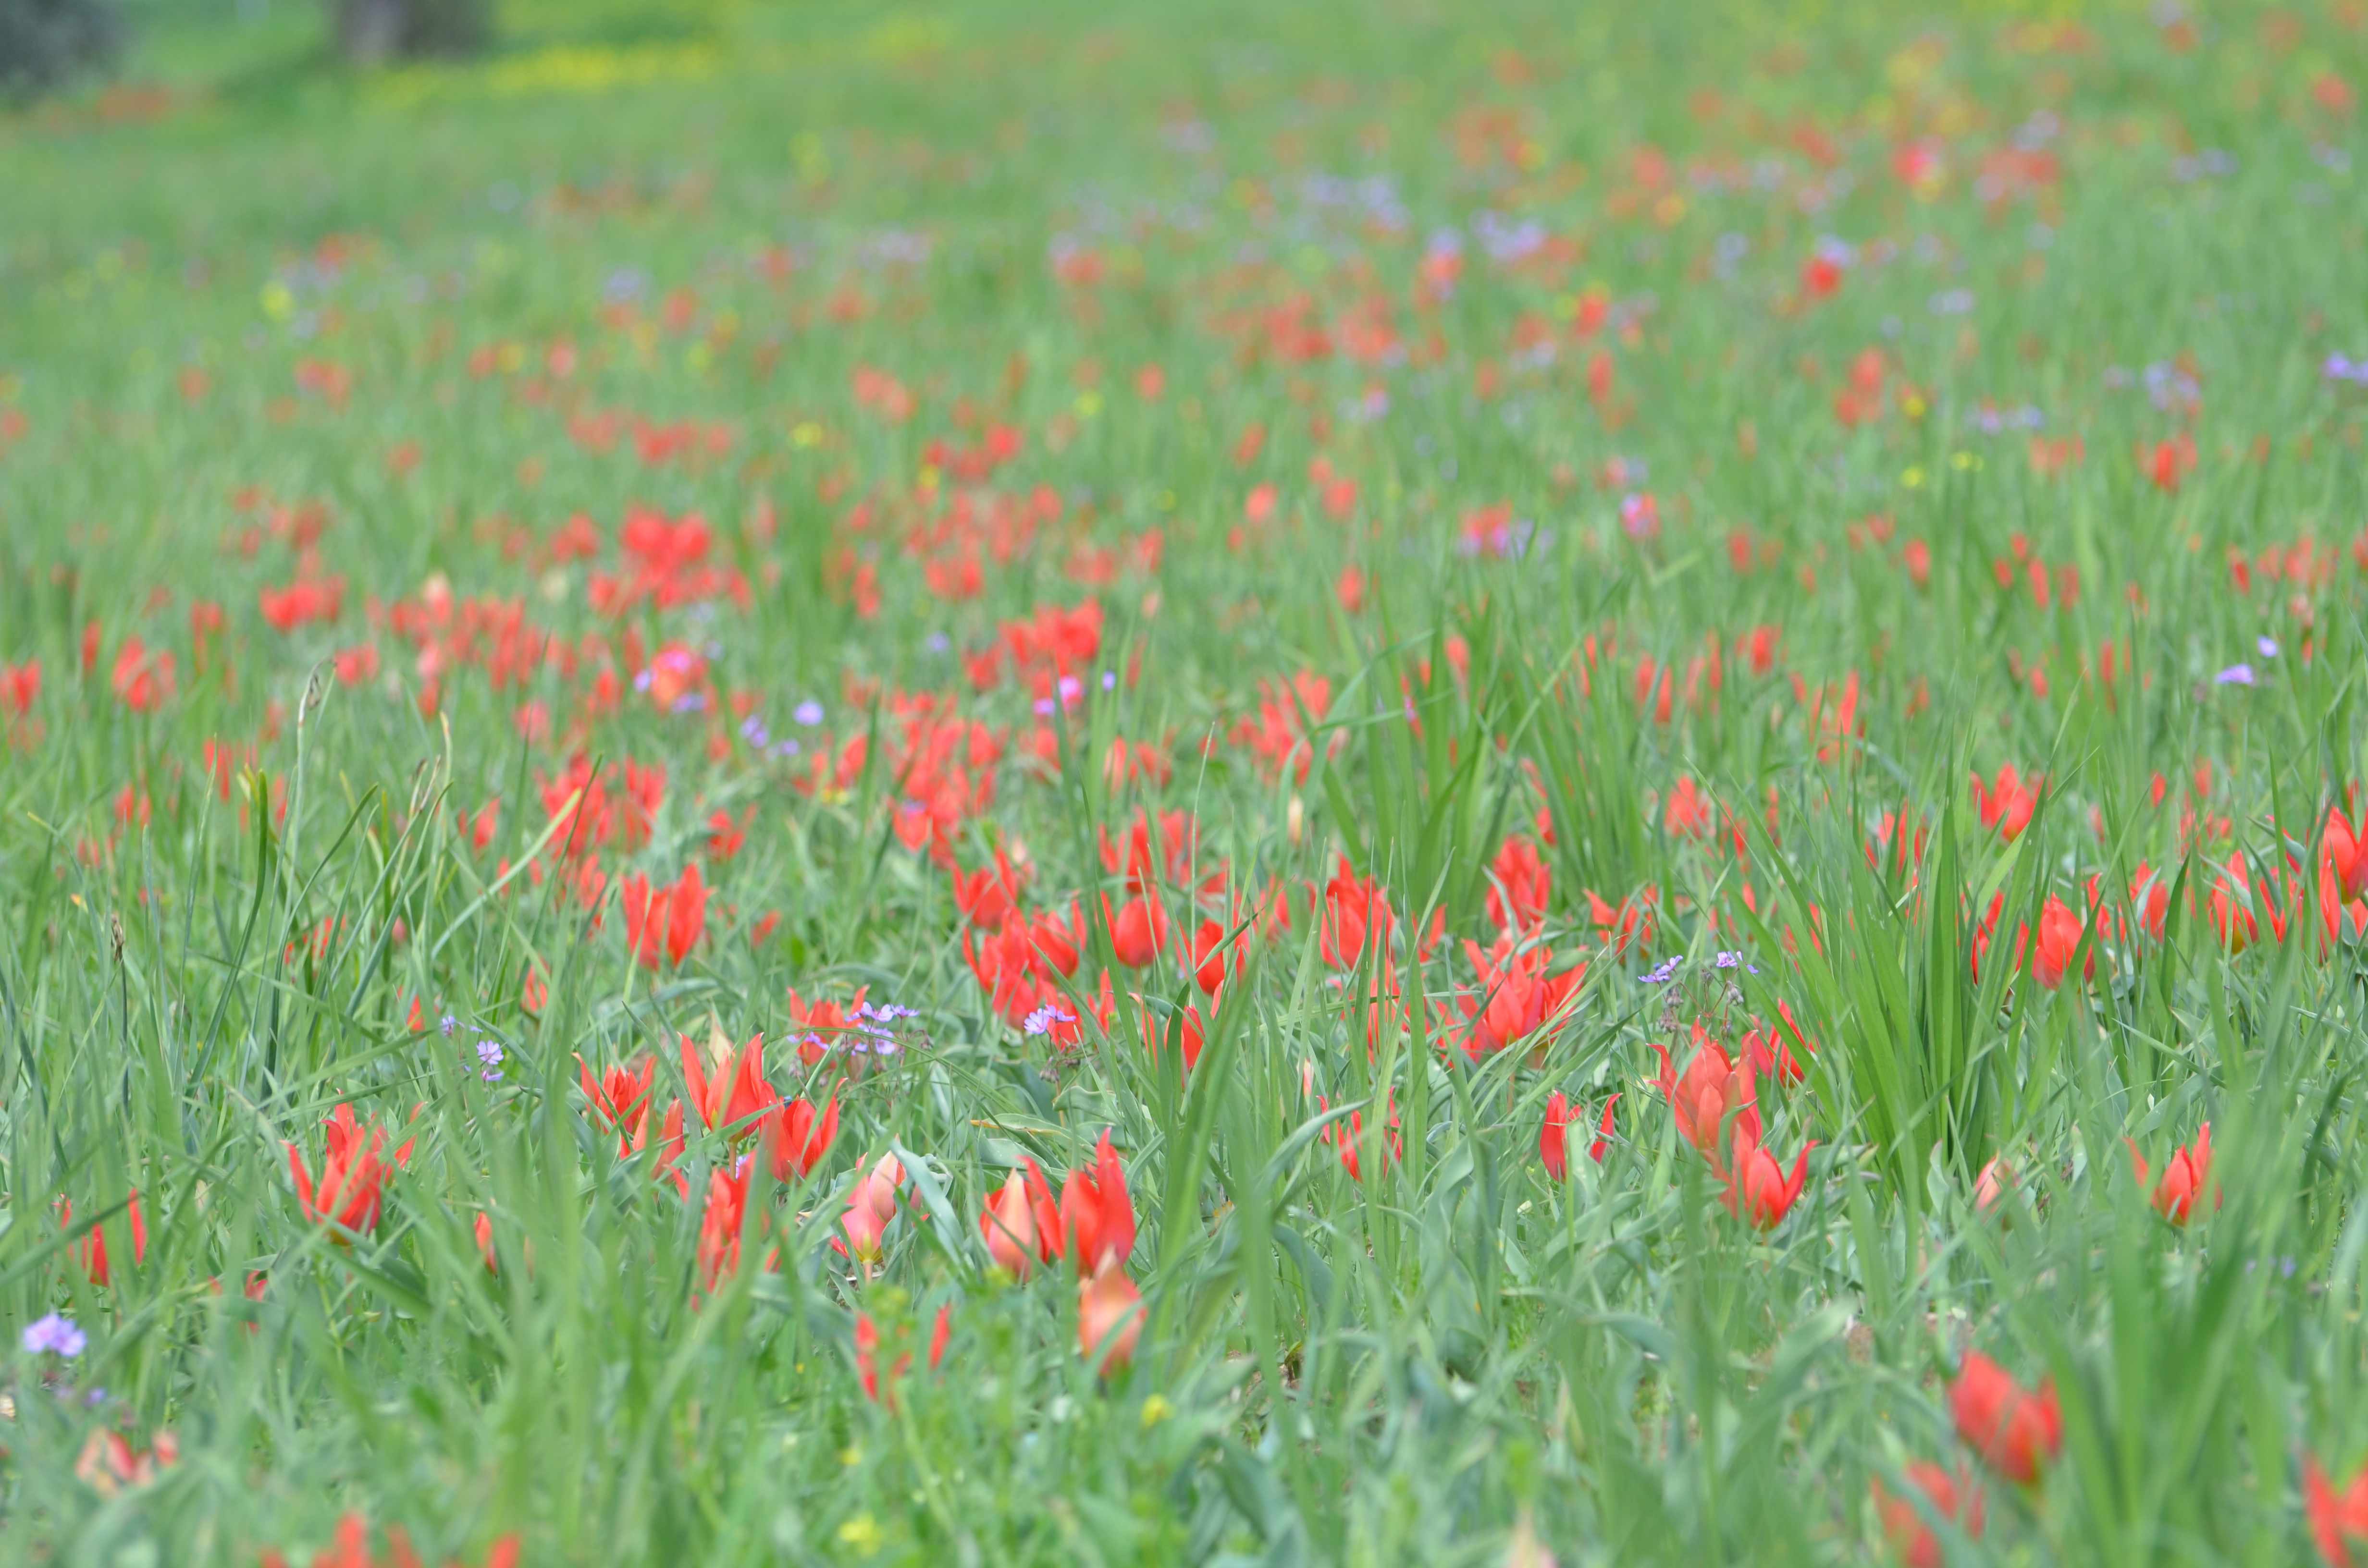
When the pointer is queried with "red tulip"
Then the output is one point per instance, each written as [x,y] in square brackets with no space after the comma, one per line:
[1758,1191]
[2060,931]
[1715,1093]
[619,1100]
[1139,931]
[729,1098]
[1020,1224]
[1109,1317]
[1952,1496]
[2009,1426]
[352,1550]
[2336,1517]
[2345,849]
[1553,1138]
[1096,1216]
[93,1250]
[2006,804]
[2183,1178]
[349,1196]
[795,1137]
[665,919]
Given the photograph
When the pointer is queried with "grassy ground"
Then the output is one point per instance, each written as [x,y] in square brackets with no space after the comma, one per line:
[1470,566]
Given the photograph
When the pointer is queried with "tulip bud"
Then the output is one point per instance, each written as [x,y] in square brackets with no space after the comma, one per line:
[1109,1319]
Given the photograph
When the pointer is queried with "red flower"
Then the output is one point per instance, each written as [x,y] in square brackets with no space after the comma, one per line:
[1553,1138]
[2006,804]
[2009,1426]
[143,680]
[352,1550]
[796,1138]
[987,897]
[353,1177]
[1109,1317]
[2060,930]
[1952,1496]
[671,919]
[1139,931]
[1758,1191]
[1020,1224]
[1353,908]
[2343,848]
[2183,1178]
[1715,1093]
[93,1250]
[737,1091]
[2334,1516]
[720,1225]
[1096,1216]
[619,1100]
[1520,885]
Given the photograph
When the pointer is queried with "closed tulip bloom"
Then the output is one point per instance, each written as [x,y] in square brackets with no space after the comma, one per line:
[2012,1428]
[1020,1224]
[1139,931]
[2059,938]
[2183,1178]
[1110,1318]
[1758,1191]
[1952,1496]
[870,1206]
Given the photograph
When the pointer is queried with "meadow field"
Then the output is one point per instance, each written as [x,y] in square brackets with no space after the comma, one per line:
[1231,784]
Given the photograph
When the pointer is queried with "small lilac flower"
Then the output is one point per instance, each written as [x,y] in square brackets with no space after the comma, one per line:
[2269,647]
[1044,707]
[55,1335]
[787,748]
[1661,974]
[690,702]
[489,1059]
[1110,680]
[1071,688]
[447,1023]
[1042,1021]
[2234,674]
[1728,961]
[937,642]
[808,713]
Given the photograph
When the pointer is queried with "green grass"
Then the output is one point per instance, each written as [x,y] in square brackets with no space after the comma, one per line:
[284,323]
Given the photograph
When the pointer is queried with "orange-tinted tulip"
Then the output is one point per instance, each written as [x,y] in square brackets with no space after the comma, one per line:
[1020,1224]
[1714,1094]
[1109,1317]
